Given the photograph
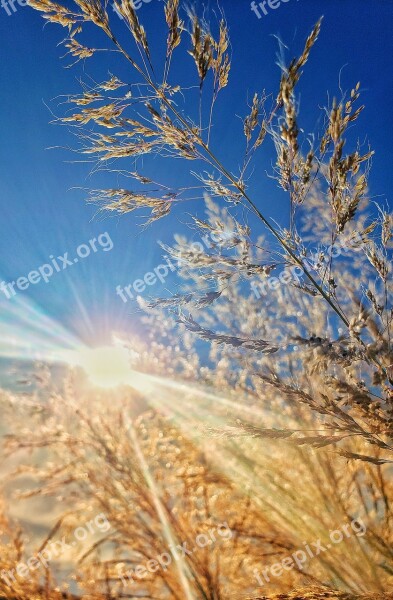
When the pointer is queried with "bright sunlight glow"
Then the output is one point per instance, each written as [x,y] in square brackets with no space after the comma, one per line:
[108,366]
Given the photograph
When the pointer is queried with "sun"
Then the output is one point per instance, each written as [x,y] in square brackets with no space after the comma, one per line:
[107,366]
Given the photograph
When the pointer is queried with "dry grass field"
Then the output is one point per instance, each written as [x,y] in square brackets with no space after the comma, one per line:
[250,454]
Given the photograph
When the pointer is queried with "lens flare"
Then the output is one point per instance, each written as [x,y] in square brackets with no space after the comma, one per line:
[107,366]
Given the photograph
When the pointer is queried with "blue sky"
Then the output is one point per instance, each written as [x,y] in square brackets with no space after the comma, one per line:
[43,211]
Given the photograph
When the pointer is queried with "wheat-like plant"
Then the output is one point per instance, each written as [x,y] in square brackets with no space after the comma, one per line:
[154,121]
[301,376]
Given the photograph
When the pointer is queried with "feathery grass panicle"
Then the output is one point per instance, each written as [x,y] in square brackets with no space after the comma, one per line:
[300,367]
